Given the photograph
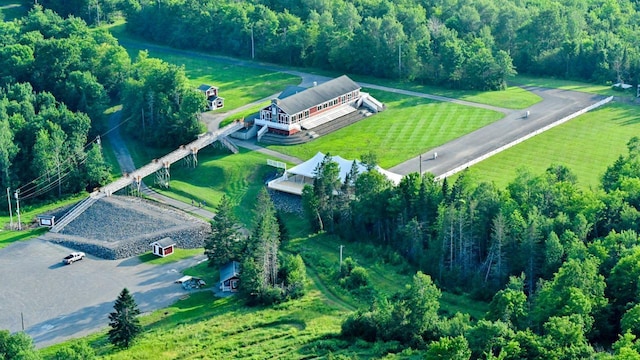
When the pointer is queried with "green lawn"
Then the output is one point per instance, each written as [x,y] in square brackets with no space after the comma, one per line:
[238,85]
[525,80]
[28,213]
[7,237]
[244,114]
[239,176]
[409,127]
[587,145]
[178,254]
[12,9]
[512,98]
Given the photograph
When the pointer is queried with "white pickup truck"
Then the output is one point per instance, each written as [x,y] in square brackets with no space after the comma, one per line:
[73,257]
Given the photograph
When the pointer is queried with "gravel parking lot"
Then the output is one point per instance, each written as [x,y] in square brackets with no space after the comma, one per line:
[60,302]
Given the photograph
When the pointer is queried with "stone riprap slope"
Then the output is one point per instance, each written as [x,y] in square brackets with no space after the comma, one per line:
[118,227]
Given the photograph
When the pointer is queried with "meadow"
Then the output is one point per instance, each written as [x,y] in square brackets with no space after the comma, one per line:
[514,97]
[587,145]
[245,114]
[408,127]
[526,80]
[238,176]
[239,85]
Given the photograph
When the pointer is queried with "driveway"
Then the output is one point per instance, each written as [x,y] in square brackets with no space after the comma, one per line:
[59,302]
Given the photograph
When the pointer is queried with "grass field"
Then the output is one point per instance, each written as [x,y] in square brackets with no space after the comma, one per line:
[238,85]
[525,80]
[239,176]
[28,213]
[511,98]
[406,129]
[12,9]
[587,145]
[178,254]
[244,114]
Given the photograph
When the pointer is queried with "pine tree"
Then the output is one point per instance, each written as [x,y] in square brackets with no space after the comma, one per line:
[125,325]
[259,277]
[225,241]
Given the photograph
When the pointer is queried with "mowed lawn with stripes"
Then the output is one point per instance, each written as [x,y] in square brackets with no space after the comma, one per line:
[587,145]
[408,127]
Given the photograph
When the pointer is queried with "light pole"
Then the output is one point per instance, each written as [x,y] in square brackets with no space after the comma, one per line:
[253,52]
[10,212]
[18,208]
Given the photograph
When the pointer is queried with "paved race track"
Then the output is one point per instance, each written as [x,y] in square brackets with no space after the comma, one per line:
[59,302]
[555,105]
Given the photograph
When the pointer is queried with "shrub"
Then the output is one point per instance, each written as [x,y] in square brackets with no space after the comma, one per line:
[358,278]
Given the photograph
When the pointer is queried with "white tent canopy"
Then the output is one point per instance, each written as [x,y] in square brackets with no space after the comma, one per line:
[307,168]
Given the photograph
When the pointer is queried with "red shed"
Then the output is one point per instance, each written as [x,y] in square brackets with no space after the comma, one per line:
[163,247]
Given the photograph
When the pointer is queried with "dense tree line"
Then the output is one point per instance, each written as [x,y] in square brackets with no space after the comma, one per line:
[456,43]
[558,260]
[57,77]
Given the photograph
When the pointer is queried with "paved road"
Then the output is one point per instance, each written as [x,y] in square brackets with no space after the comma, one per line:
[59,302]
[555,105]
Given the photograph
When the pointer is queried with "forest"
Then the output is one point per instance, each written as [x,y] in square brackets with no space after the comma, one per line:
[559,263]
[57,78]
[452,43]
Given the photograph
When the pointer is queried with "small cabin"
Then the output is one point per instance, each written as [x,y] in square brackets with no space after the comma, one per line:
[163,247]
[214,101]
[47,220]
[230,277]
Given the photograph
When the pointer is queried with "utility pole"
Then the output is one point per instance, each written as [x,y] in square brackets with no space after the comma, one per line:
[400,60]
[10,212]
[22,319]
[253,52]
[59,178]
[420,164]
[341,246]
[18,208]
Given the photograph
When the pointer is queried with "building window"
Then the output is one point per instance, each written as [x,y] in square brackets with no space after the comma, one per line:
[306,114]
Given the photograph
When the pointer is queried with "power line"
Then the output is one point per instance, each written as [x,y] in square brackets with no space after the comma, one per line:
[36,188]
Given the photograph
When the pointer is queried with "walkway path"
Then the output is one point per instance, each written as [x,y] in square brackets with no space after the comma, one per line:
[126,165]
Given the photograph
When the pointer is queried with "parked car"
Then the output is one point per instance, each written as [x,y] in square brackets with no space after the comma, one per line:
[73,257]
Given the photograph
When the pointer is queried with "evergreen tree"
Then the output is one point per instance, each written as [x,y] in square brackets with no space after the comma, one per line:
[125,325]
[225,242]
[259,277]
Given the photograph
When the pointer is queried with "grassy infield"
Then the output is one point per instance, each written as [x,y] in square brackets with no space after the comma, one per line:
[203,327]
